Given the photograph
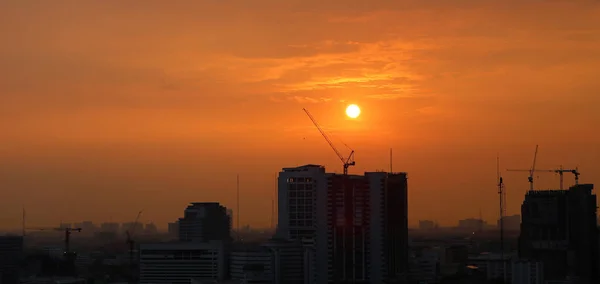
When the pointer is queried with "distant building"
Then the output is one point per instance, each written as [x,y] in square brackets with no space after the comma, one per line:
[178,263]
[559,229]
[11,253]
[110,227]
[65,225]
[173,229]
[319,208]
[511,223]
[426,225]
[203,222]
[150,229]
[471,224]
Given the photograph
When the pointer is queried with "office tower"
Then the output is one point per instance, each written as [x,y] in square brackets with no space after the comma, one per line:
[203,222]
[558,228]
[11,252]
[357,225]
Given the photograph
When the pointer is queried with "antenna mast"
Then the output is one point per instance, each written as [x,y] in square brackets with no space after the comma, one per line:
[391,160]
[502,205]
[237,218]
[23,222]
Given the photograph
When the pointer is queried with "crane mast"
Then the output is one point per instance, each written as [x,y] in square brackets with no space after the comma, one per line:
[530,178]
[346,161]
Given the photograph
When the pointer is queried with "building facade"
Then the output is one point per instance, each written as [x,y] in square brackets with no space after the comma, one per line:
[203,222]
[558,228]
[182,262]
[11,253]
[355,228]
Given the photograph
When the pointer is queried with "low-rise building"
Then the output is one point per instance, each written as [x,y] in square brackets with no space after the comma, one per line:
[181,262]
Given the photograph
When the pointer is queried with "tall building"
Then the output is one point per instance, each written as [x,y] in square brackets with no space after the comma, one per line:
[358,225]
[558,228]
[11,252]
[203,222]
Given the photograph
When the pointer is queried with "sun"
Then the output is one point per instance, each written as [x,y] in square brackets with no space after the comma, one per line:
[353,111]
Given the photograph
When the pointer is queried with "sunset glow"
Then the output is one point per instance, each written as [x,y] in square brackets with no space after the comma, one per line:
[109,104]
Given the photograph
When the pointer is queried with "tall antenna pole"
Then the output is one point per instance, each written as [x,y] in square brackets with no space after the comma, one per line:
[272,213]
[238,204]
[391,160]
[23,222]
[501,195]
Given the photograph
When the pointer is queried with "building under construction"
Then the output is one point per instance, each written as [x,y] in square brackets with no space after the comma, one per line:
[559,228]
[358,223]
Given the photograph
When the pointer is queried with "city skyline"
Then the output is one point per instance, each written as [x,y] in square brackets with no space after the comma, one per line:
[108,109]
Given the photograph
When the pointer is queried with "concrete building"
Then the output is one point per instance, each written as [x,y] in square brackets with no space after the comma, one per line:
[527,272]
[355,228]
[183,261]
[289,262]
[251,263]
[11,253]
[493,265]
[558,228]
[203,222]
[425,266]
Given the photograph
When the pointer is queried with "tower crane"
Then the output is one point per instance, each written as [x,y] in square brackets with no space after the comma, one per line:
[69,256]
[531,171]
[130,232]
[560,172]
[346,161]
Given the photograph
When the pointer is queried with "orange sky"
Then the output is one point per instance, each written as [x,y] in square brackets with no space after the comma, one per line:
[108,107]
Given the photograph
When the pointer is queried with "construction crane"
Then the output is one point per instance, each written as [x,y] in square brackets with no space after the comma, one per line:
[69,256]
[560,172]
[130,232]
[346,161]
[531,171]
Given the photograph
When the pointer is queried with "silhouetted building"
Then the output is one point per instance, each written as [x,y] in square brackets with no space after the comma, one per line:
[559,229]
[173,229]
[511,223]
[288,261]
[110,227]
[251,263]
[11,253]
[150,228]
[355,228]
[203,222]
[426,225]
[182,262]
[471,224]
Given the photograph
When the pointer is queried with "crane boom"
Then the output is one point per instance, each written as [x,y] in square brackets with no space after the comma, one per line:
[346,161]
[559,171]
